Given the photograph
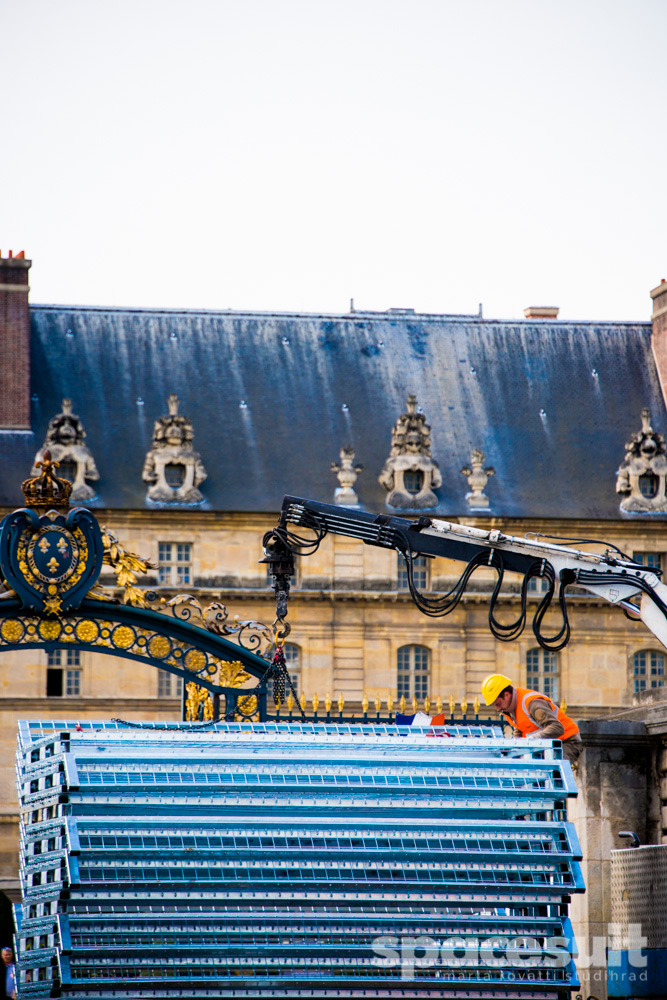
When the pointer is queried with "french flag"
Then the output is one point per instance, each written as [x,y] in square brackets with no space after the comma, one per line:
[423,721]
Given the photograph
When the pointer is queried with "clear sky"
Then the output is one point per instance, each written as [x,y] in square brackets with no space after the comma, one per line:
[295,154]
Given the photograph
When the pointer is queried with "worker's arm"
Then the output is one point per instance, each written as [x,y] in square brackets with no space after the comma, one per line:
[543,715]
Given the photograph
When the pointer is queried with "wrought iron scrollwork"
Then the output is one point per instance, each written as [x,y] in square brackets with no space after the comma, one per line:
[250,634]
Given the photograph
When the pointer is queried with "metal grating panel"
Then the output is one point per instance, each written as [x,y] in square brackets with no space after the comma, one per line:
[298,860]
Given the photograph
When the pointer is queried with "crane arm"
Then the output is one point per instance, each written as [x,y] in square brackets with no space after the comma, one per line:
[611,575]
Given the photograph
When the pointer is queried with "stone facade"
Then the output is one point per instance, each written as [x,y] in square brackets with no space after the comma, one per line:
[349,610]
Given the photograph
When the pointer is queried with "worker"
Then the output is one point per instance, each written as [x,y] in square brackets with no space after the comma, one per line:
[532,715]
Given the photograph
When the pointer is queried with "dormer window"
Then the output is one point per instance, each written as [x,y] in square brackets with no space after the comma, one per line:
[642,475]
[174,475]
[412,481]
[66,470]
[66,441]
[648,486]
[173,469]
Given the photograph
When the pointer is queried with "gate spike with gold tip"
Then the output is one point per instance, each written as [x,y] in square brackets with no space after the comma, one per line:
[563,705]
[302,701]
[464,706]
[452,704]
[427,704]
[438,705]
[341,703]
[378,702]
[316,702]
[415,704]
[327,701]
[401,704]
[475,705]
[390,704]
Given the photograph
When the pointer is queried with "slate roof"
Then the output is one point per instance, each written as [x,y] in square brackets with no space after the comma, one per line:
[481,383]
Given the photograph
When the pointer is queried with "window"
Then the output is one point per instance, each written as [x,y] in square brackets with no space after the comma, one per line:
[67,470]
[61,681]
[542,672]
[55,657]
[648,670]
[648,486]
[412,481]
[537,585]
[420,573]
[54,683]
[175,563]
[72,683]
[174,475]
[412,670]
[652,560]
[293,660]
[168,685]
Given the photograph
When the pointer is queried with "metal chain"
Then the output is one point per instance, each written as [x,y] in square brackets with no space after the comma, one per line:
[164,726]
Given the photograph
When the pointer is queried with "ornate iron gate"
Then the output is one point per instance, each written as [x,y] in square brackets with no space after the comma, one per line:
[50,560]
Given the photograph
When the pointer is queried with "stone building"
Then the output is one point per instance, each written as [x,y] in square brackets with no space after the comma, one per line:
[183,431]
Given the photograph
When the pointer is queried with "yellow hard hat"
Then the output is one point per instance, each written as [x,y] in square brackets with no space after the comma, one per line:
[493,685]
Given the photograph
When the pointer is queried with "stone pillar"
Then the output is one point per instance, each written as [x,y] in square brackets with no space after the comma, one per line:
[614,777]
[14,343]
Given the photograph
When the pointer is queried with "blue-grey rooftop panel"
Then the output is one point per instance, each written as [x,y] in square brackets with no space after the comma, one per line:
[273,398]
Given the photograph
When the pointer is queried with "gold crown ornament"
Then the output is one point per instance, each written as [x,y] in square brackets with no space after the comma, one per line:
[47,491]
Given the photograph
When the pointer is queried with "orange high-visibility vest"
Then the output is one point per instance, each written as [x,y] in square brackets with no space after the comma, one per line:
[524,722]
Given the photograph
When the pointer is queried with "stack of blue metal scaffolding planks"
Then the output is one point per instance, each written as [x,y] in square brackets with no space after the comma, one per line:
[293,860]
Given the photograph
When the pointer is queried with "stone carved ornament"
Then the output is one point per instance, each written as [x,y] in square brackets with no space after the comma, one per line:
[173,467]
[347,473]
[66,440]
[477,477]
[411,453]
[642,474]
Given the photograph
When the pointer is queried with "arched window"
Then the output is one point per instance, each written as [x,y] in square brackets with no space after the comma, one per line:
[293,660]
[542,672]
[413,481]
[412,669]
[648,485]
[648,668]
[67,470]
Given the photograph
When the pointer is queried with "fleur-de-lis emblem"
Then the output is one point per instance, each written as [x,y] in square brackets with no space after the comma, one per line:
[52,564]
[43,544]
[62,547]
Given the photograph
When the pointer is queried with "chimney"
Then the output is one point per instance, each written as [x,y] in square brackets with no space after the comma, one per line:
[14,343]
[659,334]
[541,312]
